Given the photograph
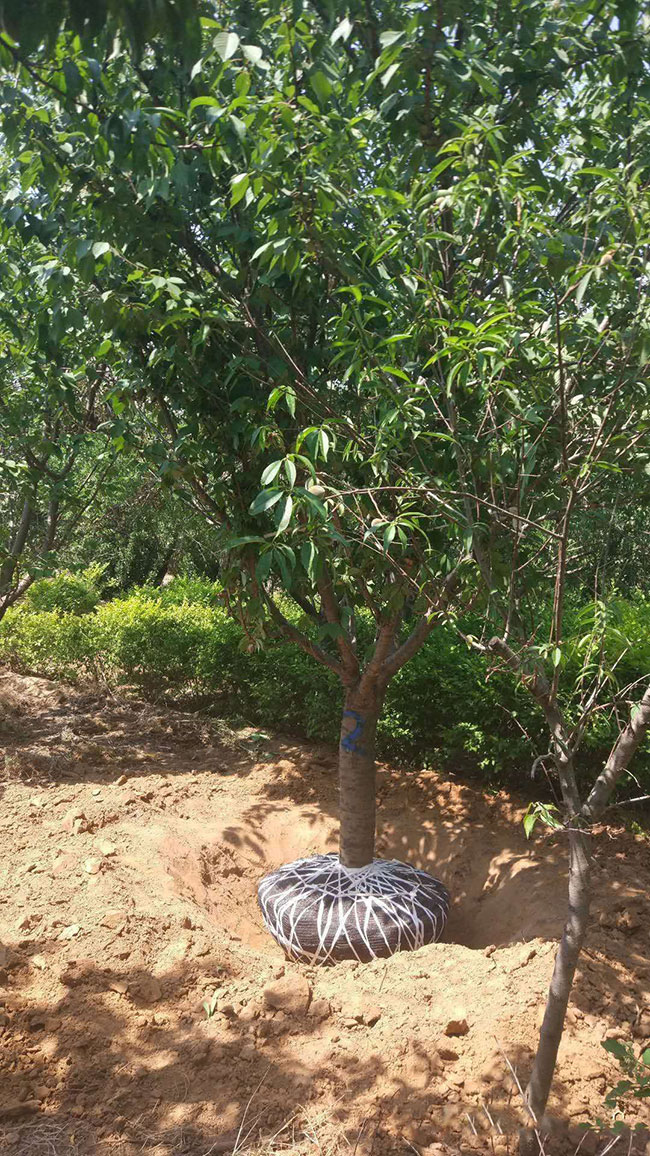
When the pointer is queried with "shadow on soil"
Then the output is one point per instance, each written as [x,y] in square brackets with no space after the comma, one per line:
[80,1077]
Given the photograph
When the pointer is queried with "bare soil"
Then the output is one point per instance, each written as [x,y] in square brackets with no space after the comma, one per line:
[132,838]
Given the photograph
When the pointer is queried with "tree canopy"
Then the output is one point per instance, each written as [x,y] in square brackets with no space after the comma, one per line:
[360,274]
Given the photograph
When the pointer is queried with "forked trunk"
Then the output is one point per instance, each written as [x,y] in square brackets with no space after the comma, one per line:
[357,778]
[573,938]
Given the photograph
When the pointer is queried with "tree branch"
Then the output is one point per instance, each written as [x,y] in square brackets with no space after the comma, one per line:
[312,648]
[17,546]
[537,683]
[619,759]
[419,635]
[332,614]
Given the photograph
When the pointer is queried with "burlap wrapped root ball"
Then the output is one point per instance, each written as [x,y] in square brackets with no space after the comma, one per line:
[320,911]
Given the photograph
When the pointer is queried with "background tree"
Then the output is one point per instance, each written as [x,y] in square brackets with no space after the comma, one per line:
[612,539]
[141,531]
[258,367]
[54,459]
[34,22]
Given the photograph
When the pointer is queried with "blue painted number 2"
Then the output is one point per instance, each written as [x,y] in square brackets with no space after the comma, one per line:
[351,742]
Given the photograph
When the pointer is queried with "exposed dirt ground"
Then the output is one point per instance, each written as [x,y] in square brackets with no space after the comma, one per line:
[131,842]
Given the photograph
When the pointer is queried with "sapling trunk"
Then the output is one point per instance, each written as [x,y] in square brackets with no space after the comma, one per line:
[573,937]
[357,796]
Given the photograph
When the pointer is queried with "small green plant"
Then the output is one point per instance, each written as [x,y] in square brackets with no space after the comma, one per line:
[210,1005]
[634,1086]
[544,813]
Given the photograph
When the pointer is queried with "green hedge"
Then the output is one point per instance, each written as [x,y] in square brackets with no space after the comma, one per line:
[65,592]
[446,707]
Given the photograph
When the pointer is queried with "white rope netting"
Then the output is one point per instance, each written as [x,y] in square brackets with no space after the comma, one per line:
[320,911]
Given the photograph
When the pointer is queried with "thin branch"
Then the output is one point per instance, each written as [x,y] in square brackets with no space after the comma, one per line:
[332,613]
[537,683]
[620,756]
[294,635]
[423,629]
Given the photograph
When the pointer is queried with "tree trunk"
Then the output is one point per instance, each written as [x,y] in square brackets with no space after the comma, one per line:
[573,938]
[12,596]
[357,778]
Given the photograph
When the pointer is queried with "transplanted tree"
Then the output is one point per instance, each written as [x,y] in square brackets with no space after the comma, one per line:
[380,283]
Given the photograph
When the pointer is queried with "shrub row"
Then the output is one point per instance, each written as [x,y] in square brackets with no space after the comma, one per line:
[446,707]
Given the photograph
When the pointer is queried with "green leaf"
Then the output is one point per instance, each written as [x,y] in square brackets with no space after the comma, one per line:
[252,54]
[308,558]
[290,471]
[100,247]
[390,37]
[264,501]
[315,502]
[203,102]
[238,125]
[245,540]
[243,84]
[309,465]
[239,187]
[615,1048]
[320,85]
[285,514]
[389,534]
[582,285]
[530,818]
[389,74]
[258,253]
[226,44]
[264,564]
[342,31]
[271,472]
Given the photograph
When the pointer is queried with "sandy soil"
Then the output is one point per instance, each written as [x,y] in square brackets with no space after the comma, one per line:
[131,841]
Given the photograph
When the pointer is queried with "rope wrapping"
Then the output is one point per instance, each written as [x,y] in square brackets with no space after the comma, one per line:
[320,911]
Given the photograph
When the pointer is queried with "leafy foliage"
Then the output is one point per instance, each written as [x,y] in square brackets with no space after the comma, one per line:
[138,531]
[635,1084]
[543,813]
[36,21]
[67,593]
[54,455]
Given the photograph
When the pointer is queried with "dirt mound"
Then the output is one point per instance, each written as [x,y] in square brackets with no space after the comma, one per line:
[129,865]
